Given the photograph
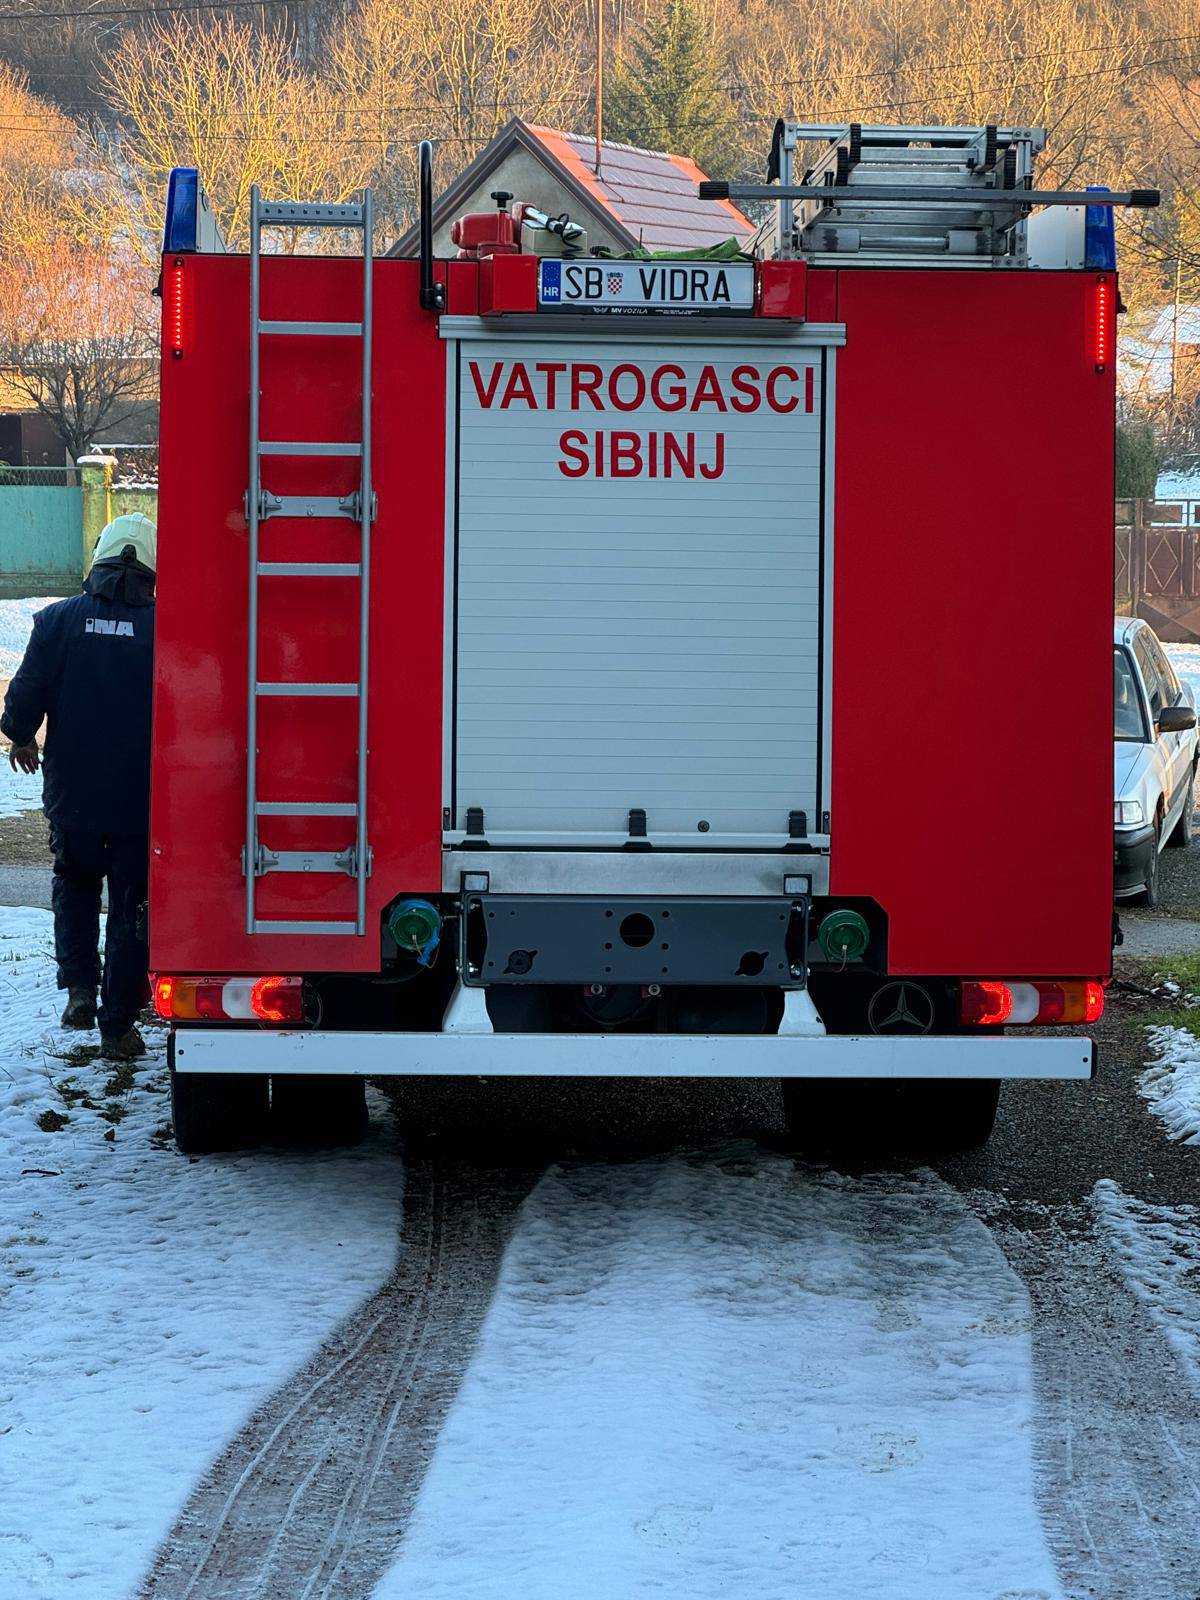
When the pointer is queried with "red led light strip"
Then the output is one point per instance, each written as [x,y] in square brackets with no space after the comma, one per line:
[174,308]
[1102,323]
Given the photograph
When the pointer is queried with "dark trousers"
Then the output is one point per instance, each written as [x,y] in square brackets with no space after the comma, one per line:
[82,861]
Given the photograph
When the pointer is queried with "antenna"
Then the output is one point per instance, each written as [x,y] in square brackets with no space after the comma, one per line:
[599,80]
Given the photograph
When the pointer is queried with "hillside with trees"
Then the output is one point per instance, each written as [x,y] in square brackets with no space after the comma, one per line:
[98,103]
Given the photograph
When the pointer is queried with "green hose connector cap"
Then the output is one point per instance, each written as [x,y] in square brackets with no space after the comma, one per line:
[843,935]
[415,926]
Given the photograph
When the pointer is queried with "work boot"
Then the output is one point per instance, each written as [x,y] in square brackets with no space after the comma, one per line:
[80,1009]
[125,1047]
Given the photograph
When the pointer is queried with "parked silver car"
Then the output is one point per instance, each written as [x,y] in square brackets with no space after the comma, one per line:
[1155,759]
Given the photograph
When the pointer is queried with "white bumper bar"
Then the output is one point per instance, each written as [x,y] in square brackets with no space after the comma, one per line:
[598,1055]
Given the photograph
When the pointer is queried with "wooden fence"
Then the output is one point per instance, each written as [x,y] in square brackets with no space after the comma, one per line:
[1157,565]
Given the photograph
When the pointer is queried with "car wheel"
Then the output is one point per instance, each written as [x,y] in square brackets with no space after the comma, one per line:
[1151,895]
[1181,834]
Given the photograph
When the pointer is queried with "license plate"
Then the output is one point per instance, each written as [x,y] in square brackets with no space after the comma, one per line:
[638,288]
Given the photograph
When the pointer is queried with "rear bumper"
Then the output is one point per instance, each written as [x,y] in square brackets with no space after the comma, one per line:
[597,1055]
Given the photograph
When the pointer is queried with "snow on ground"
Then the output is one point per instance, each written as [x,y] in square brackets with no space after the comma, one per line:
[1158,1251]
[726,1375]
[1177,486]
[1185,658]
[16,623]
[1171,1083]
[18,791]
[149,1302]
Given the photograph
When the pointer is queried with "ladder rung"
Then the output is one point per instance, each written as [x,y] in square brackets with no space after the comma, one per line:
[309,214]
[305,808]
[309,690]
[309,569]
[305,927]
[347,329]
[276,447]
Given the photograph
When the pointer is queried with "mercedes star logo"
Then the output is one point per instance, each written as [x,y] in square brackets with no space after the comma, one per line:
[900,1008]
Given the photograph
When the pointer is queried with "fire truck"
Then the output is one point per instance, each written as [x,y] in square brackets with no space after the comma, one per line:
[571,665]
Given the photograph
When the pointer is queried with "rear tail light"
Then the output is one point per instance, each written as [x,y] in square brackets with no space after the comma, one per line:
[229,999]
[989,1003]
[277,1000]
[986,1002]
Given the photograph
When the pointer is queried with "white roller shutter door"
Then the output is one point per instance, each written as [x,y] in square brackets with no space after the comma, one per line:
[636,586]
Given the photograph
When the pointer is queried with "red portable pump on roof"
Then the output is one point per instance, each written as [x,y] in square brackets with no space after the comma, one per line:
[636,666]
[487,233]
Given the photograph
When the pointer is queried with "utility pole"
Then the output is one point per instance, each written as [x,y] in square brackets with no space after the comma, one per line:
[1175,327]
[599,80]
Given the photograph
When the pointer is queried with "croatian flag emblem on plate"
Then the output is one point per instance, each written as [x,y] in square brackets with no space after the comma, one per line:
[615,280]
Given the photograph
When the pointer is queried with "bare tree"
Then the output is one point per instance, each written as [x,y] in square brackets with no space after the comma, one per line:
[77,336]
[455,71]
[232,101]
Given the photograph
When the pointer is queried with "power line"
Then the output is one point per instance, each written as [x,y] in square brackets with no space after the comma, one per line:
[101,12]
[1121,68]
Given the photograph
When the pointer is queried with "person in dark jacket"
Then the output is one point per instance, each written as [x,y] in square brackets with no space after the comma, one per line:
[88,672]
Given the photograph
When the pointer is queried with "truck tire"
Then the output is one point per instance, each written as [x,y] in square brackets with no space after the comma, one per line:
[312,1112]
[866,1117]
[955,1115]
[1181,833]
[218,1111]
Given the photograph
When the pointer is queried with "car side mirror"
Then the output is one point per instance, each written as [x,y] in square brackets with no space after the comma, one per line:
[1176,719]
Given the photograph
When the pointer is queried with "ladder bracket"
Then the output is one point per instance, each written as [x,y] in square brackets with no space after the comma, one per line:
[305,506]
[315,861]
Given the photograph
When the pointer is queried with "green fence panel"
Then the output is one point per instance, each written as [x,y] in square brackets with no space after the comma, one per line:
[41,540]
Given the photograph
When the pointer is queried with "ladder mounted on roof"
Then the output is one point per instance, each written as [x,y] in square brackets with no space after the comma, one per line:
[908,195]
[359,507]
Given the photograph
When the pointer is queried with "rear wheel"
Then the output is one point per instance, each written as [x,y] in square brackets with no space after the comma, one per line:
[866,1116]
[218,1111]
[314,1112]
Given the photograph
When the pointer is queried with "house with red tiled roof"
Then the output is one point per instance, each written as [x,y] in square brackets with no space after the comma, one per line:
[637,199]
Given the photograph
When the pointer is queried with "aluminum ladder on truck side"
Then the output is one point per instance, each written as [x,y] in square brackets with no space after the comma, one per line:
[358,507]
[848,226]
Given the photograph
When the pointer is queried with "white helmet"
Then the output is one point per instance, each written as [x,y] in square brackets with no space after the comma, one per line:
[131,529]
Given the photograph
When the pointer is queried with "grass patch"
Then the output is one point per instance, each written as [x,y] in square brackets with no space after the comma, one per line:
[114,1112]
[122,1080]
[1165,995]
[1185,1017]
[78,1055]
[52,1121]
[1182,969]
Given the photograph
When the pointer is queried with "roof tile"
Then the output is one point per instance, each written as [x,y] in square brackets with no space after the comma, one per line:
[651,192]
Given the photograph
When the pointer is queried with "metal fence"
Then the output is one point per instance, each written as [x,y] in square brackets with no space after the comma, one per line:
[39,477]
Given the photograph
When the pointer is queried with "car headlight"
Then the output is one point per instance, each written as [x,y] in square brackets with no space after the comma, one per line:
[1128,813]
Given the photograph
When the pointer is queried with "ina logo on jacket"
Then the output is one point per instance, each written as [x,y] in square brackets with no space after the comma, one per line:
[123,630]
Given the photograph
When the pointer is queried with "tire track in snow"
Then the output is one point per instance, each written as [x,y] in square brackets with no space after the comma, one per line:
[724,1372]
[1117,1424]
[310,1500]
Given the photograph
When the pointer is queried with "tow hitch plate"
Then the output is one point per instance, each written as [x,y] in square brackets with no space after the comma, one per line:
[597,939]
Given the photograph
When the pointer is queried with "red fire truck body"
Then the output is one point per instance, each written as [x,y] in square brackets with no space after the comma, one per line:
[685,633]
